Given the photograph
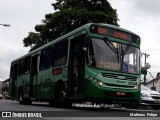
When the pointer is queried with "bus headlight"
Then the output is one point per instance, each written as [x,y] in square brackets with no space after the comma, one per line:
[96,81]
[100,83]
[136,87]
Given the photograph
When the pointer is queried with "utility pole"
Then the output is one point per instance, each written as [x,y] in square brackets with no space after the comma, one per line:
[145,57]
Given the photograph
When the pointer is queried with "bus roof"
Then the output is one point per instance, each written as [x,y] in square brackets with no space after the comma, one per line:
[84,27]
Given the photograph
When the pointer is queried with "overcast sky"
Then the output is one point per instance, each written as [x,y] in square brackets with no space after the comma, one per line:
[22,15]
[143,18]
[139,16]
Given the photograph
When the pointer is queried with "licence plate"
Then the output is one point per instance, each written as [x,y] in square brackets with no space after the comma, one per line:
[121,93]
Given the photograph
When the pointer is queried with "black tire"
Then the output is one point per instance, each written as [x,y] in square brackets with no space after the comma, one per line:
[67,103]
[27,101]
[21,97]
[155,107]
[22,100]
[134,105]
[126,106]
[59,98]
[52,102]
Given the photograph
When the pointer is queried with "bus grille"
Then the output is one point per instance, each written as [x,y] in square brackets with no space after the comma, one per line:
[123,86]
[119,77]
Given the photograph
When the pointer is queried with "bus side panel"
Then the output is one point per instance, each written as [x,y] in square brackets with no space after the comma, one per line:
[44,84]
[15,87]
[25,80]
[19,84]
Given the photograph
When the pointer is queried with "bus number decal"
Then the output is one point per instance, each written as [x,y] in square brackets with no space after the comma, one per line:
[132,83]
[120,35]
[102,30]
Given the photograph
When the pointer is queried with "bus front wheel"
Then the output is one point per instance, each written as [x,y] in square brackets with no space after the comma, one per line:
[21,97]
[134,105]
[155,107]
[59,98]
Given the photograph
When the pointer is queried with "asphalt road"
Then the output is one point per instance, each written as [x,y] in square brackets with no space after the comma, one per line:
[43,111]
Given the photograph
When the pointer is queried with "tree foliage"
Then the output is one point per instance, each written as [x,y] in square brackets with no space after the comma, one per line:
[70,14]
[5,89]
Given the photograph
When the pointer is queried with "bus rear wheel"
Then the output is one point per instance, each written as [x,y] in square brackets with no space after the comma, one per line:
[23,100]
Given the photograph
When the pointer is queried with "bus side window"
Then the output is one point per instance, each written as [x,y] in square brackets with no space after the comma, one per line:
[14,71]
[27,62]
[34,67]
[60,53]
[45,60]
[21,67]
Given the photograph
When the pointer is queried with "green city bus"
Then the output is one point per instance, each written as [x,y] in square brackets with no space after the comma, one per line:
[96,63]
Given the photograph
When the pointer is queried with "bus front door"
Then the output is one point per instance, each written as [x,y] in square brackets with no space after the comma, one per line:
[76,68]
[33,77]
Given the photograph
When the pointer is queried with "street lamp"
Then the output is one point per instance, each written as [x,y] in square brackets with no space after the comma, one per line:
[6,25]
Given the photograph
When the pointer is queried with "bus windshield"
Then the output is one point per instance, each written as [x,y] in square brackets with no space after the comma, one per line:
[107,55]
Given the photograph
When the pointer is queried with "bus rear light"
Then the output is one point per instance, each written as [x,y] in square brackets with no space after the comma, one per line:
[54,72]
[57,71]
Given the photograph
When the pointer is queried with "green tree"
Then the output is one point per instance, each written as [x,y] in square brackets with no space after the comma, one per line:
[5,89]
[70,14]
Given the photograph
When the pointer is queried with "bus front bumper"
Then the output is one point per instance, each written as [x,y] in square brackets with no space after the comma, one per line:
[111,95]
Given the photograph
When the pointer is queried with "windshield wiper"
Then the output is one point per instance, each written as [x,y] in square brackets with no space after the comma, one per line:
[115,50]
[110,45]
[123,52]
[126,49]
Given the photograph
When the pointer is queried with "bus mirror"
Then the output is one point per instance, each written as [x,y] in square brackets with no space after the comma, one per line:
[144,70]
